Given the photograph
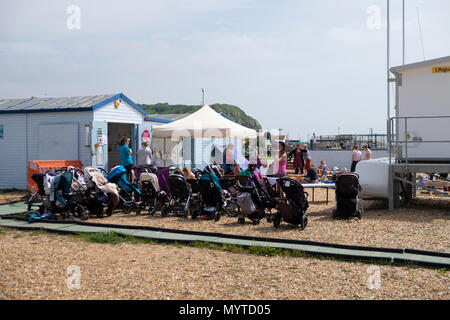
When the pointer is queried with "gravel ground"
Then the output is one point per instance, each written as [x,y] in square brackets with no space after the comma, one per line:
[34,265]
[423,224]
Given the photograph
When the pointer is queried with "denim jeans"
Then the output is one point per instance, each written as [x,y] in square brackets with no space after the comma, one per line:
[354,163]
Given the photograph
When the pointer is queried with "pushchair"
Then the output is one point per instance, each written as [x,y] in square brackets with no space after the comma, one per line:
[127,190]
[151,196]
[349,201]
[212,200]
[54,191]
[253,199]
[180,200]
[100,193]
[230,190]
[292,208]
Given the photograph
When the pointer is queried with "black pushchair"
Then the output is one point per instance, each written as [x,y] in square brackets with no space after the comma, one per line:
[212,202]
[253,199]
[180,200]
[292,208]
[151,197]
[348,196]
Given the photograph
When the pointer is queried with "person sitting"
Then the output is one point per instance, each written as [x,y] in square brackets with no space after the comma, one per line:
[236,169]
[311,176]
[188,174]
[323,167]
[251,169]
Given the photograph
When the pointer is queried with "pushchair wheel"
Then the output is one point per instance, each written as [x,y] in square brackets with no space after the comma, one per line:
[84,216]
[269,219]
[126,209]
[217,216]
[109,211]
[194,214]
[241,220]
[232,209]
[276,220]
[152,212]
[333,214]
[304,223]
[255,222]
[138,211]
[164,211]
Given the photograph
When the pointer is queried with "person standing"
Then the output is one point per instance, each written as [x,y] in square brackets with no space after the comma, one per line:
[281,160]
[307,157]
[299,162]
[125,157]
[367,153]
[144,154]
[228,158]
[356,157]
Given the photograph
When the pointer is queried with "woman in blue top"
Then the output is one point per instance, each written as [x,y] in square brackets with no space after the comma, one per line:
[125,157]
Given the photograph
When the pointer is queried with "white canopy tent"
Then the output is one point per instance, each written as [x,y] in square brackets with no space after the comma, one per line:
[195,134]
[203,123]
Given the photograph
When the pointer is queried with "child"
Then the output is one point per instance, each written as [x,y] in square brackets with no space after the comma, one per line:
[323,166]
[311,176]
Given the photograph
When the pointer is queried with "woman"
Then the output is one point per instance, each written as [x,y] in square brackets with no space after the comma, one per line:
[367,153]
[228,158]
[144,155]
[299,162]
[356,157]
[188,174]
[281,160]
[125,157]
[306,157]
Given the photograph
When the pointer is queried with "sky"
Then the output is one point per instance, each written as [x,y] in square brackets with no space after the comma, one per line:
[306,66]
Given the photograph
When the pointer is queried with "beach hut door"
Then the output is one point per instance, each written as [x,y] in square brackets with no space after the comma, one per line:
[99,145]
[141,132]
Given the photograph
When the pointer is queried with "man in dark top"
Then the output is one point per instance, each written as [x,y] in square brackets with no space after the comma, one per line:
[311,176]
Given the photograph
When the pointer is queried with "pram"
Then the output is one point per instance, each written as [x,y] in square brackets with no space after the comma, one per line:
[127,190]
[292,209]
[180,200]
[212,200]
[151,196]
[54,190]
[348,196]
[253,199]
[100,193]
[230,188]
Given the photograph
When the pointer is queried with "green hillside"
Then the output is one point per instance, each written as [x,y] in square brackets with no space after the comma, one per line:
[233,112]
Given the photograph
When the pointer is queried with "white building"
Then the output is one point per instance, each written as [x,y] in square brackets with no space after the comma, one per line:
[423,96]
[74,128]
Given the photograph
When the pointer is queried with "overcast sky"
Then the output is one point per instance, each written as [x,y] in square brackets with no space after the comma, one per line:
[302,65]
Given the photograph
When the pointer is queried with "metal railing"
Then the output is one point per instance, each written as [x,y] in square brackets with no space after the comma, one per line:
[401,139]
[375,141]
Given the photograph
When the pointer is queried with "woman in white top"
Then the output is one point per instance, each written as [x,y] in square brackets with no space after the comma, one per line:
[367,153]
[144,154]
[356,157]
